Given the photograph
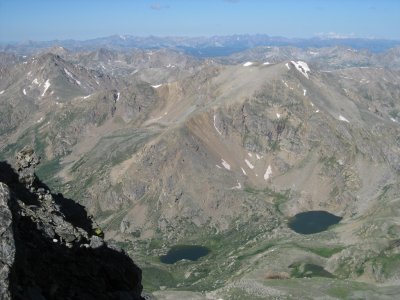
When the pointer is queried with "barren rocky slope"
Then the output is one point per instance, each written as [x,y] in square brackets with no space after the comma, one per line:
[223,156]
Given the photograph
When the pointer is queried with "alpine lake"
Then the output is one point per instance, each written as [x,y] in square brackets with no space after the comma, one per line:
[181,252]
[312,221]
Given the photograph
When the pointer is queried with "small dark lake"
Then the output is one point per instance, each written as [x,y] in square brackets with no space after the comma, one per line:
[189,252]
[309,270]
[313,221]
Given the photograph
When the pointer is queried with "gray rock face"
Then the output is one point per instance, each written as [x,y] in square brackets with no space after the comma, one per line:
[45,254]
[7,244]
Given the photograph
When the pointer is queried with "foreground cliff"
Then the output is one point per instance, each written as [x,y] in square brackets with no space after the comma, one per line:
[49,248]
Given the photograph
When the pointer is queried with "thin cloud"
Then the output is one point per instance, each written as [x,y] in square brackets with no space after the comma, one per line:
[158,6]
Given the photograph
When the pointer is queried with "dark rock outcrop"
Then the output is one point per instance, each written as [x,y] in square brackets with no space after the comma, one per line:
[45,254]
[7,244]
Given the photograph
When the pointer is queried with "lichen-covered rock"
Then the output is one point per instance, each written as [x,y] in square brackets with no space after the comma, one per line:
[26,161]
[7,245]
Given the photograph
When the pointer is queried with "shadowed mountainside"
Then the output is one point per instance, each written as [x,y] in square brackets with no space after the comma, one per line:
[50,250]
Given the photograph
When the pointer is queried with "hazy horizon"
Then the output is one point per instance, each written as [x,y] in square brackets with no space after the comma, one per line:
[326,36]
[45,20]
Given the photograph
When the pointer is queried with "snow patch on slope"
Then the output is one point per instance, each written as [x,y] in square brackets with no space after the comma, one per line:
[244,172]
[24,91]
[2,92]
[268,173]
[215,126]
[72,76]
[249,164]
[302,67]
[225,164]
[237,187]
[156,86]
[247,64]
[46,87]
[341,118]
[68,73]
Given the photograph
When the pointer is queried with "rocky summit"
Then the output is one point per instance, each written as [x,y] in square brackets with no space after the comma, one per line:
[50,248]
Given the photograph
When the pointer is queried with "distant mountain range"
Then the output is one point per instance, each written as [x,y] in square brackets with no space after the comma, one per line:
[199,46]
[165,149]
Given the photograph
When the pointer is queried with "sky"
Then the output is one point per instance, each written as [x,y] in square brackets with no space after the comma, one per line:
[22,20]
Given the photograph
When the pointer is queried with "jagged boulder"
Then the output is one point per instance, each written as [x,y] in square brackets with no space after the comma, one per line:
[26,161]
